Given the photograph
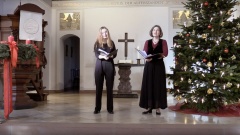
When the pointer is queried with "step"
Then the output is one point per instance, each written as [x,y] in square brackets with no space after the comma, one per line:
[34,96]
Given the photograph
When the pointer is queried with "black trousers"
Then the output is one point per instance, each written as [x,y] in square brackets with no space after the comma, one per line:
[104,69]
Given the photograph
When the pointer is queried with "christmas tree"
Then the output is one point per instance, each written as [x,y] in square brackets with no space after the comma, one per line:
[207,56]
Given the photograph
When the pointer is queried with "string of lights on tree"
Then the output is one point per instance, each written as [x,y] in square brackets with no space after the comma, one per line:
[207,56]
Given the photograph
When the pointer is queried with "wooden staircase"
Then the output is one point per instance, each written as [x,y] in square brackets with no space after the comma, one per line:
[36,88]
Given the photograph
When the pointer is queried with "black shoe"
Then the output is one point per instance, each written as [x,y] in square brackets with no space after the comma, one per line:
[158,113]
[111,112]
[148,111]
[96,112]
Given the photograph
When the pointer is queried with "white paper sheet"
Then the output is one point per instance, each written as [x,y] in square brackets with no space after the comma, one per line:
[30,26]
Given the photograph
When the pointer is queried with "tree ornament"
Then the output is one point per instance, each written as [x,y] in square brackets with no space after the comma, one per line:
[176,62]
[187,34]
[209,26]
[220,58]
[193,57]
[168,90]
[229,12]
[193,32]
[178,46]
[202,100]
[216,4]
[213,81]
[175,84]
[222,73]
[189,81]
[233,57]
[185,67]
[228,38]
[222,23]
[226,50]
[209,64]
[221,12]
[229,85]
[204,36]
[211,20]
[179,97]
[205,3]
[180,54]
[190,41]
[236,41]
[209,91]
[238,25]
[204,60]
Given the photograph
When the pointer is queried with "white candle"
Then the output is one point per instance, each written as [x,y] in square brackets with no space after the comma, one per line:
[138,56]
[28,41]
[10,38]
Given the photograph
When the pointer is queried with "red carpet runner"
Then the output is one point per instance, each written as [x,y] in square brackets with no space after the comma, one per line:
[227,111]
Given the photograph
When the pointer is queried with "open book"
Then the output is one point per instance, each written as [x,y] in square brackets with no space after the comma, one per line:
[108,54]
[125,61]
[144,54]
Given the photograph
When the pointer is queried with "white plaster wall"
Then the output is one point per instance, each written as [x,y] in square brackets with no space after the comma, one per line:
[237,12]
[8,7]
[1,7]
[136,21]
[56,63]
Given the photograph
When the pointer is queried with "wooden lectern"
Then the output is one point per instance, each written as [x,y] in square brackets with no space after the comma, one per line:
[26,75]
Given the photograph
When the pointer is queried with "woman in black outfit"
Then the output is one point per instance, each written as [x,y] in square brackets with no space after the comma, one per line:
[153,91]
[104,69]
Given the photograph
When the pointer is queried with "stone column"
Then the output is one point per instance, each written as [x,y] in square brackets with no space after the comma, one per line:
[125,87]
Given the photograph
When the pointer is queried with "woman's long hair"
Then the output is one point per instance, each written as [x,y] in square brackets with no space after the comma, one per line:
[99,42]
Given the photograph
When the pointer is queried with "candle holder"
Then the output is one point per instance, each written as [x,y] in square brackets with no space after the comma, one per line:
[138,61]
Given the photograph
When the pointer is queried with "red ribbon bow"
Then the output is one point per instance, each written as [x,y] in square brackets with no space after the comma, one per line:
[14,53]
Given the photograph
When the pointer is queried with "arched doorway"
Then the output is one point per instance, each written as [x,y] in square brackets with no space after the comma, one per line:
[71,47]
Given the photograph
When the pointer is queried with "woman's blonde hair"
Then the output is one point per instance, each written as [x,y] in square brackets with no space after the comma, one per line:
[161,33]
[100,38]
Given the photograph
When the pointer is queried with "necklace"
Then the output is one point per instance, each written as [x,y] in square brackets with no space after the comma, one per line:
[155,41]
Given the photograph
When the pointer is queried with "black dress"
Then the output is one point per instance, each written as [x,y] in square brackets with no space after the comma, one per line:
[153,90]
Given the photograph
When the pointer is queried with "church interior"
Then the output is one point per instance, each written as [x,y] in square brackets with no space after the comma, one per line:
[58,97]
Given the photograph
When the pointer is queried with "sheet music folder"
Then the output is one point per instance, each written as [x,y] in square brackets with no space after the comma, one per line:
[108,54]
[144,54]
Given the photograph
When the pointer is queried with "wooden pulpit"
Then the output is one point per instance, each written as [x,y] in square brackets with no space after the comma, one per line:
[26,75]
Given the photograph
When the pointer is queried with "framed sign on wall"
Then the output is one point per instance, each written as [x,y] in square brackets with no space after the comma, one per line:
[180,17]
[70,21]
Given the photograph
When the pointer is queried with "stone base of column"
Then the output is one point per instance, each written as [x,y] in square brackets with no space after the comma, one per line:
[125,95]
